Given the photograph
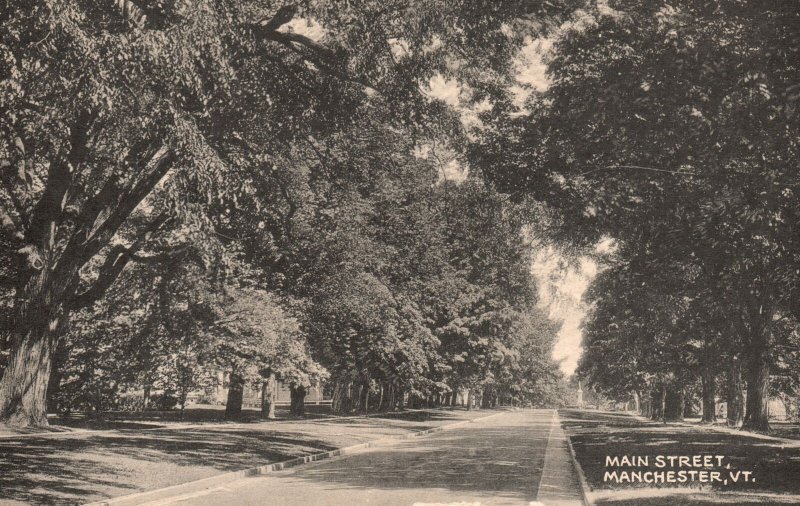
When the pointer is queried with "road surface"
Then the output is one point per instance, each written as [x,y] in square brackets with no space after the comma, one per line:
[497,461]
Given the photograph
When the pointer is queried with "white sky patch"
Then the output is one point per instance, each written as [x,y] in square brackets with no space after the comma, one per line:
[446,90]
[399,48]
[454,171]
[606,246]
[304,26]
[450,168]
[531,70]
[484,105]
[531,62]
[422,151]
[561,292]
[458,96]
[530,65]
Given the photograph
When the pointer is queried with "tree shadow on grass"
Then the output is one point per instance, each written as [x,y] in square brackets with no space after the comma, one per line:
[78,467]
[73,470]
[597,435]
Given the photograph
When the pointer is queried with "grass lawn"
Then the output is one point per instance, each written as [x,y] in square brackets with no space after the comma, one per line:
[596,435]
[127,457]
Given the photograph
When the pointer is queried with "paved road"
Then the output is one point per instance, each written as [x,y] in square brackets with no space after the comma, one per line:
[499,461]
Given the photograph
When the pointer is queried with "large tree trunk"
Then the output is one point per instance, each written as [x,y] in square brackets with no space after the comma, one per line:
[673,404]
[35,334]
[757,411]
[709,395]
[298,400]
[23,389]
[146,397]
[363,400]
[233,407]
[486,400]
[657,396]
[269,390]
[391,402]
[688,407]
[647,406]
[56,375]
[470,399]
[339,400]
[735,397]
[758,360]
[45,298]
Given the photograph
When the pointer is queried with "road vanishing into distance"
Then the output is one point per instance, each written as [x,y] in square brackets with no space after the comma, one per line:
[518,457]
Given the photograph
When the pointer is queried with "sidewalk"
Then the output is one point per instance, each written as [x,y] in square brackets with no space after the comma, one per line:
[560,484]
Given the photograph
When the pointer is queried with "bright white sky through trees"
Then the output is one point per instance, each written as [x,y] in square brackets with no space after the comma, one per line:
[561,286]
[561,289]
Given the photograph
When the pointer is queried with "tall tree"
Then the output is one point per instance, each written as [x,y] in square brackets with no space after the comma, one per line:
[675,124]
[106,105]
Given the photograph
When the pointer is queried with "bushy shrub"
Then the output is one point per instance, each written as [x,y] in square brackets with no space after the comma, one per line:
[130,401]
[163,401]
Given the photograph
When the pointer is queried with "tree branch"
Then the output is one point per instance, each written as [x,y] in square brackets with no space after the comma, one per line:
[47,214]
[10,187]
[637,167]
[283,16]
[172,254]
[131,12]
[316,53]
[115,262]
[287,218]
[289,39]
[11,226]
[127,202]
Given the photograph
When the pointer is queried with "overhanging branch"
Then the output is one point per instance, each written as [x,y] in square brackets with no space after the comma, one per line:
[126,203]
[47,213]
[117,259]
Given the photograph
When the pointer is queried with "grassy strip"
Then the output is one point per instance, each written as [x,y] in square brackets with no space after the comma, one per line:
[94,466]
[598,435]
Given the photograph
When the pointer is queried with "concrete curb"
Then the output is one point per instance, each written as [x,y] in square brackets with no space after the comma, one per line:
[219,479]
[585,488]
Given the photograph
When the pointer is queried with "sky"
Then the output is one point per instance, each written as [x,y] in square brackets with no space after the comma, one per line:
[561,288]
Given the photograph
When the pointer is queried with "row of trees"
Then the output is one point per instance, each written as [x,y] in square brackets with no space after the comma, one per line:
[277,154]
[234,183]
[672,129]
